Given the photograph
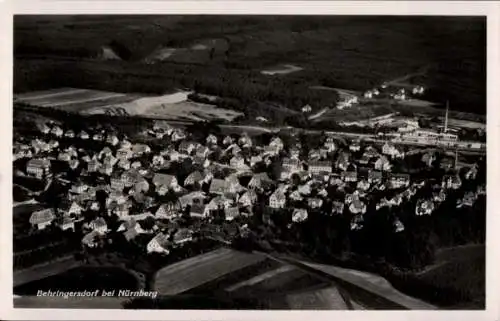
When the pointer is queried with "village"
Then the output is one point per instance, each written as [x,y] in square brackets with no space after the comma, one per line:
[180,189]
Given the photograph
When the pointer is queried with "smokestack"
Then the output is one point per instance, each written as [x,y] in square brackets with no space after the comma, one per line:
[446,117]
[456,158]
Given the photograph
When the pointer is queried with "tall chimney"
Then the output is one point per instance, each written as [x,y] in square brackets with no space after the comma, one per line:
[446,117]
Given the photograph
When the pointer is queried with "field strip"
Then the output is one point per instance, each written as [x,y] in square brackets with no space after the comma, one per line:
[48,94]
[184,276]
[86,100]
[331,299]
[372,283]
[260,278]
[204,272]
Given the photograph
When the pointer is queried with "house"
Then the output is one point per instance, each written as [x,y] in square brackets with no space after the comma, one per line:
[38,167]
[291,164]
[439,197]
[233,184]
[299,215]
[211,139]
[112,140]
[83,135]
[357,206]
[91,239]
[374,176]
[277,144]
[158,160]
[317,167]
[228,140]
[396,200]
[122,211]
[468,200]
[93,166]
[306,109]
[142,186]
[342,161]
[218,186]
[364,160]
[383,164]
[238,162]
[428,159]
[219,202]
[245,140]
[350,176]
[43,128]
[169,211]
[337,207]
[159,244]
[451,182]
[98,137]
[357,222]
[64,156]
[178,135]
[231,213]
[79,188]
[124,153]
[195,177]
[277,200]
[363,185]
[68,223]
[186,147]
[314,202]
[165,180]
[472,172]
[233,149]
[391,150]
[106,169]
[69,208]
[202,151]
[294,152]
[398,226]
[295,196]
[354,146]
[99,225]
[330,144]
[304,189]
[182,236]
[73,164]
[117,184]
[124,164]
[57,131]
[255,160]
[260,181]
[42,218]
[399,180]
[424,207]
[248,199]
[105,152]
[199,211]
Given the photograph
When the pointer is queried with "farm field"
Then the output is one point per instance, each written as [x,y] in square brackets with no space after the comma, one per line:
[174,106]
[193,272]
[281,70]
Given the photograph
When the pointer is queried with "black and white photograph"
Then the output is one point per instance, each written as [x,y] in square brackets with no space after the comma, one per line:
[249,162]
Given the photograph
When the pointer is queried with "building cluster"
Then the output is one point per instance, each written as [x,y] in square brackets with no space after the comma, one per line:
[139,186]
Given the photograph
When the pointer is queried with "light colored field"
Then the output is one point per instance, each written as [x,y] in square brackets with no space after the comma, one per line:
[198,270]
[261,277]
[325,299]
[374,284]
[282,70]
[67,97]
[174,106]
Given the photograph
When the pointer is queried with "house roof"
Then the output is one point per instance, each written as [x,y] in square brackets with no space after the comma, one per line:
[218,186]
[38,162]
[194,177]
[98,222]
[130,233]
[163,179]
[232,212]
[182,234]
[42,216]
[161,239]
[197,208]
